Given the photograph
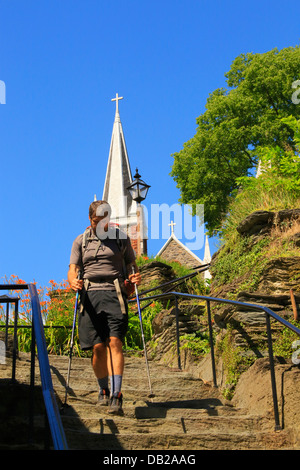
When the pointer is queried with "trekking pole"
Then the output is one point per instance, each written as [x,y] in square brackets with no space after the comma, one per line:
[151,394]
[72,342]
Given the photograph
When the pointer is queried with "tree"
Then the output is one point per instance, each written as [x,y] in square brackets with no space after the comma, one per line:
[238,120]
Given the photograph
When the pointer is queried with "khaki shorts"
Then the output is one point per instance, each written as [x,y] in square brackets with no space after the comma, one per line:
[101,318]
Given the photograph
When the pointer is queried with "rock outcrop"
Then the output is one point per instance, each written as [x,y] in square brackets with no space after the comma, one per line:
[261,222]
[156,273]
[163,345]
[280,275]
[278,284]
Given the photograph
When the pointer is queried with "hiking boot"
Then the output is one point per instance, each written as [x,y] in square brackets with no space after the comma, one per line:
[103,398]
[115,406]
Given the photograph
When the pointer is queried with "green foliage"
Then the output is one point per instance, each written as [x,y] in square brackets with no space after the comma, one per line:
[196,343]
[179,269]
[282,344]
[60,313]
[280,167]
[294,124]
[238,121]
[242,259]
[234,361]
[194,285]
[277,188]
[133,338]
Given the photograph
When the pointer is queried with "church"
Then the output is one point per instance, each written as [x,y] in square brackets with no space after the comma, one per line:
[175,250]
[128,214]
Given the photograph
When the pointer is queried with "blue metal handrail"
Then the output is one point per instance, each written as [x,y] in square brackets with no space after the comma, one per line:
[38,338]
[54,418]
[268,313]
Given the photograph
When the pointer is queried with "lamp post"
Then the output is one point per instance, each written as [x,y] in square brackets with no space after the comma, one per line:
[138,191]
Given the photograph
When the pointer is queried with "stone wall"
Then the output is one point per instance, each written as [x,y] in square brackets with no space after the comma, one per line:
[277,286]
[175,252]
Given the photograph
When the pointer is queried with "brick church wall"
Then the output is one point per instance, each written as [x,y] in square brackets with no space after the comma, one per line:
[132,233]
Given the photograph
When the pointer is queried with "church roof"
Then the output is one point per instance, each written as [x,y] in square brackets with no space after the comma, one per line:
[175,250]
[118,173]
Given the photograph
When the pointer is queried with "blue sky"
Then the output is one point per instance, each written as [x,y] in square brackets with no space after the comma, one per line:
[63,61]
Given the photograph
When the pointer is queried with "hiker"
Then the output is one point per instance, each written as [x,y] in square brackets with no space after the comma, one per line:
[103,313]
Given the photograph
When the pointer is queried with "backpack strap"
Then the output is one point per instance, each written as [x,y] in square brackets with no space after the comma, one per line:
[121,242]
[86,238]
[122,247]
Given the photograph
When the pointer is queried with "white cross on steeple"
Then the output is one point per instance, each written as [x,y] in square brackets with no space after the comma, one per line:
[116,99]
[172,226]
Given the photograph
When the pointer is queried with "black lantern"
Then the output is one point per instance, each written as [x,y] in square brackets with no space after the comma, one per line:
[138,189]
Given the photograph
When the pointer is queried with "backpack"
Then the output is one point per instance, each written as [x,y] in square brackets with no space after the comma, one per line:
[87,236]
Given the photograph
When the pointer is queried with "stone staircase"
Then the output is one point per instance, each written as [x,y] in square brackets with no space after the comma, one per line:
[185,414]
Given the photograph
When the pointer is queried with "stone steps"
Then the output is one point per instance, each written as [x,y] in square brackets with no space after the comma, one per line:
[147,441]
[185,413]
[111,425]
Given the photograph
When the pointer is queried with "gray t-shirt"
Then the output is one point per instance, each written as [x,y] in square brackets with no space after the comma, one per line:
[104,263]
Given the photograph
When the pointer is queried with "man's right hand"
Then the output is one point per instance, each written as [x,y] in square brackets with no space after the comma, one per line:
[76,284]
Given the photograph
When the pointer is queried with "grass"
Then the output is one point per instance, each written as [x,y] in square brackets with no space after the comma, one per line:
[241,260]
[258,196]
[234,361]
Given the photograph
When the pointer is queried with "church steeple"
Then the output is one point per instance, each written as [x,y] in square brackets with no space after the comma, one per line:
[119,176]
